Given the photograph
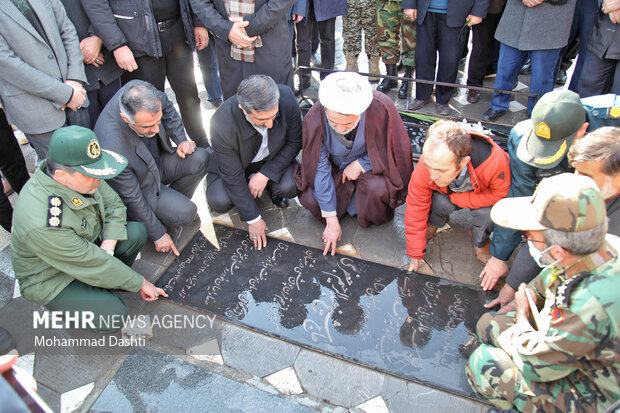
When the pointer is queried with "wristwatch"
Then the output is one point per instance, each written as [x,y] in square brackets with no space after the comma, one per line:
[109,252]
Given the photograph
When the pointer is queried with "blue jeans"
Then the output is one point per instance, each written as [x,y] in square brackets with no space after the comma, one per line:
[210,75]
[510,62]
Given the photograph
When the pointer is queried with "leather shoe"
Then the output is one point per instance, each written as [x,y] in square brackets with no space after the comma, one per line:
[482,253]
[443,109]
[305,88]
[527,68]
[473,96]
[560,80]
[492,115]
[279,201]
[431,230]
[418,104]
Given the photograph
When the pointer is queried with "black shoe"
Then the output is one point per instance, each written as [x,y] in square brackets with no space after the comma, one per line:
[404,84]
[492,115]
[279,201]
[388,84]
[473,96]
[305,88]
[216,104]
[443,110]
[527,68]
[560,80]
[418,104]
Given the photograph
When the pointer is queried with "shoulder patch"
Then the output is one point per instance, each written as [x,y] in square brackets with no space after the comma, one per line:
[502,175]
[557,316]
[76,201]
[54,212]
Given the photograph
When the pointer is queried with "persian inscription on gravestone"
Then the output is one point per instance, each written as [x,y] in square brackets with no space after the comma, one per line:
[409,325]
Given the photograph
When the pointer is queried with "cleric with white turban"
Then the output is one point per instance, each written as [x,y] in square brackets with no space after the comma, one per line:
[356,156]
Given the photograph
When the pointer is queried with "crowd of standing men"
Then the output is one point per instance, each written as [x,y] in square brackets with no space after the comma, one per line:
[84,80]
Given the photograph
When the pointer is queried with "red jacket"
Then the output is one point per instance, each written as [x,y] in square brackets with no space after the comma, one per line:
[490,180]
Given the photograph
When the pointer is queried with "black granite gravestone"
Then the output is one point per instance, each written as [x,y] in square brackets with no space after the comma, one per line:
[406,324]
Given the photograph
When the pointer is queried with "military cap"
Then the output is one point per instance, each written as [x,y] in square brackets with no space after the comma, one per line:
[565,202]
[556,119]
[78,147]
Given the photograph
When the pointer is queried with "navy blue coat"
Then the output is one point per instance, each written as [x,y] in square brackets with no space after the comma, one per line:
[327,9]
[458,10]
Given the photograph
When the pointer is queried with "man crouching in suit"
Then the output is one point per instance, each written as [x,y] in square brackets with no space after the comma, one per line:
[255,135]
[140,123]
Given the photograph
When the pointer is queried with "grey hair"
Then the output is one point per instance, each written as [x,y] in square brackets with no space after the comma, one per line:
[578,243]
[139,96]
[259,93]
[52,166]
[602,144]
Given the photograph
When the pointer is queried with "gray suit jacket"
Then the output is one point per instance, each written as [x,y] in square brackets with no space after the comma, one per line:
[32,71]
[542,27]
[139,184]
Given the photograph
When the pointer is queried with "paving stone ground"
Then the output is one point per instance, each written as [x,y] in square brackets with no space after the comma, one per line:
[222,367]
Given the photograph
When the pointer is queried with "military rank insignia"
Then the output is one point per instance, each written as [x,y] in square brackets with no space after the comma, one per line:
[557,316]
[54,212]
[76,201]
[543,131]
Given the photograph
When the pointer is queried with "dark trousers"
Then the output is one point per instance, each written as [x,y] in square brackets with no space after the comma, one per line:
[98,98]
[485,50]
[220,202]
[79,296]
[175,207]
[177,64]
[442,207]
[599,76]
[207,58]
[13,167]
[434,36]
[41,141]
[371,197]
[584,18]
[327,35]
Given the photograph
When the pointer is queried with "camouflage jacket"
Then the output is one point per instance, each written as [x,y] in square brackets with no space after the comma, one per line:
[578,335]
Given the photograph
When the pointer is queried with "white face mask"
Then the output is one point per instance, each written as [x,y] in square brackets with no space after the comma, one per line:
[539,256]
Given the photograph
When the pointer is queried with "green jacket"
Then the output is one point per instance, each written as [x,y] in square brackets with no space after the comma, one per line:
[54,234]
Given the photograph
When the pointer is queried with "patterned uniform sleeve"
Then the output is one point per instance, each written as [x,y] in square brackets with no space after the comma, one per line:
[545,357]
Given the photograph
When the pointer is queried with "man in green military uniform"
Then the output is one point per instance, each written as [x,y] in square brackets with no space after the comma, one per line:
[362,15]
[559,351]
[396,32]
[71,241]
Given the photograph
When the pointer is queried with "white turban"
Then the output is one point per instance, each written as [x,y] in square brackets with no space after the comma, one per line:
[348,93]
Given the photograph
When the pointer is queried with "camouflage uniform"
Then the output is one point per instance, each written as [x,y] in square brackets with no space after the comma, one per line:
[575,364]
[393,25]
[362,14]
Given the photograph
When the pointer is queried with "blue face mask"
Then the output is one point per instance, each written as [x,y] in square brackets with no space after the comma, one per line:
[539,256]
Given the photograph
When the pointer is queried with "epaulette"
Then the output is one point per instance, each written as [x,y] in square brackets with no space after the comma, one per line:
[54,212]
[564,291]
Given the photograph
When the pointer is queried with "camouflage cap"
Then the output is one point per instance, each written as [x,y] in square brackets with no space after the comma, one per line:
[565,202]
[556,118]
[78,147]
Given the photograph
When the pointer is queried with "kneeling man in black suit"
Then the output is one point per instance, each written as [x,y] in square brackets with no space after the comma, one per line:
[255,136]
